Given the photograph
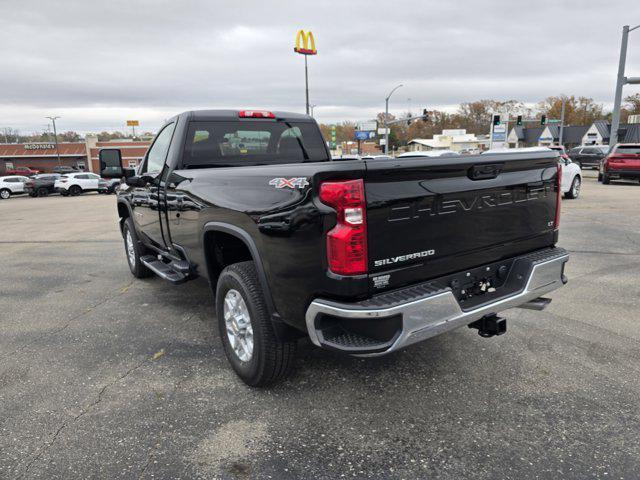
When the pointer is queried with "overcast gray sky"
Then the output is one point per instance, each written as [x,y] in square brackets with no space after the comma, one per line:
[98,63]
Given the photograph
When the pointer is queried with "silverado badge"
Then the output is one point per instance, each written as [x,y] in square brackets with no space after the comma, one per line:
[295,182]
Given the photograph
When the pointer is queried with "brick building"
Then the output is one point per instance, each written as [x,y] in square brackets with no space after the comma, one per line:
[79,155]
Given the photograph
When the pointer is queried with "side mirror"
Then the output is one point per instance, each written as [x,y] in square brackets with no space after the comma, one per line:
[139,181]
[110,163]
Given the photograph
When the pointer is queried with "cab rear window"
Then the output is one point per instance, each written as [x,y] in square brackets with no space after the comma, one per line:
[252,142]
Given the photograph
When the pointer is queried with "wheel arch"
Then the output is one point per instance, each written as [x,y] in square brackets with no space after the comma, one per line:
[215,232]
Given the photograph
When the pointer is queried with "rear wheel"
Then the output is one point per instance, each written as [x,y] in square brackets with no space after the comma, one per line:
[5,193]
[75,190]
[250,343]
[42,192]
[574,191]
[134,250]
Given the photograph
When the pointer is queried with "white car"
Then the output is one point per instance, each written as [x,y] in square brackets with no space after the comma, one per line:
[571,177]
[429,153]
[11,185]
[77,183]
[571,172]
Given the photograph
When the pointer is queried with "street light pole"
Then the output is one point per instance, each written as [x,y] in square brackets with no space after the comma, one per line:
[620,81]
[55,137]
[306,82]
[386,119]
[564,101]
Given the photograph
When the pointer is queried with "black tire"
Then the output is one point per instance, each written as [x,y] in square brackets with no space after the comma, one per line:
[574,191]
[64,193]
[599,177]
[42,192]
[135,265]
[606,179]
[5,193]
[75,190]
[271,359]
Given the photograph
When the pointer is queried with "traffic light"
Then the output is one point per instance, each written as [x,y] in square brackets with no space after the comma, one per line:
[425,115]
[496,120]
[519,121]
[543,120]
[409,121]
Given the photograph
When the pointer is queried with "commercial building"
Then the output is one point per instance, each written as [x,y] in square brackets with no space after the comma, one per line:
[457,140]
[571,135]
[600,133]
[43,156]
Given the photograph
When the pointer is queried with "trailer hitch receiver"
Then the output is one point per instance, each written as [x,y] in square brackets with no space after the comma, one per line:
[490,326]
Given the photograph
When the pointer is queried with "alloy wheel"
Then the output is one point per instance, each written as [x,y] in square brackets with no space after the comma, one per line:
[131,252]
[238,324]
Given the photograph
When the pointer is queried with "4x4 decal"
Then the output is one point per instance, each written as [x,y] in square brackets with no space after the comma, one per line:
[295,182]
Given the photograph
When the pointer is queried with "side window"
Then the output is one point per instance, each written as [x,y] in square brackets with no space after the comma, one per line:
[158,152]
[93,176]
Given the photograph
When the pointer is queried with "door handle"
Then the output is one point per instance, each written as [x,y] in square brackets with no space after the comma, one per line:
[485,172]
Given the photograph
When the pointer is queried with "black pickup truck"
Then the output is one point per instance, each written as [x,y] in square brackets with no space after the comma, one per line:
[362,256]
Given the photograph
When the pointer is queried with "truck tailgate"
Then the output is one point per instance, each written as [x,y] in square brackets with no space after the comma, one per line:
[428,217]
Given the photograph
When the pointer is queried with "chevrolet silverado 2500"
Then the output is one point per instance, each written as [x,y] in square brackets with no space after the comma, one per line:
[363,257]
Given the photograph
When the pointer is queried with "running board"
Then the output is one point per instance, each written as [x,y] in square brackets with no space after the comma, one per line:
[539,303]
[163,270]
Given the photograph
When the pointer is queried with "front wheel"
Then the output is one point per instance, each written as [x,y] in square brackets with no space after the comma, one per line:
[606,179]
[574,191]
[5,193]
[134,250]
[250,343]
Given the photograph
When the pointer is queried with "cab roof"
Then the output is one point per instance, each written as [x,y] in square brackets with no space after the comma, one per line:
[220,115]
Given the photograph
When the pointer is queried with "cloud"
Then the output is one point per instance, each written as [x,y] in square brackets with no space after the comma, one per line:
[99,63]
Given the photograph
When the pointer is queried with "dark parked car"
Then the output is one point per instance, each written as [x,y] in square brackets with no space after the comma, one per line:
[64,169]
[41,185]
[588,156]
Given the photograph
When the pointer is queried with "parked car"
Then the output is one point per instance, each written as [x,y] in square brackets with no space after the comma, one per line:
[588,156]
[62,169]
[108,185]
[362,257]
[12,185]
[77,183]
[41,185]
[571,178]
[560,149]
[25,171]
[623,163]
[429,153]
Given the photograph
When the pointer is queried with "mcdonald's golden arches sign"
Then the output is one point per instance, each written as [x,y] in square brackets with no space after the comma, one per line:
[308,43]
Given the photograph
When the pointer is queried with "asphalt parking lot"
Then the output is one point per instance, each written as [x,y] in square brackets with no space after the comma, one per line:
[102,376]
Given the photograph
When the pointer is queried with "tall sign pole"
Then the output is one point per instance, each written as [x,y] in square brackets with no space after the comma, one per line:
[561,134]
[55,137]
[305,45]
[620,82]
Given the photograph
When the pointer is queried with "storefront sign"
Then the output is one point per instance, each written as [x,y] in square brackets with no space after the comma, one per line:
[39,146]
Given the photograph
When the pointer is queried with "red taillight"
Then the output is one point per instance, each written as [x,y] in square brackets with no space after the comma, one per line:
[347,241]
[256,114]
[556,222]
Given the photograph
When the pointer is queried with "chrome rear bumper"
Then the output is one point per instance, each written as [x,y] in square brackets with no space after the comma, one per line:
[435,312]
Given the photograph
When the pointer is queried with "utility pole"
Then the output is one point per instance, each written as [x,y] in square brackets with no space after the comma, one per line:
[55,137]
[564,101]
[620,81]
[386,119]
